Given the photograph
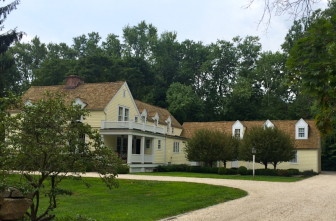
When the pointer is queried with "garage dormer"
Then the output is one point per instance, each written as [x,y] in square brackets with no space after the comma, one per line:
[301,130]
[238,129]
[79,102]
[268,124]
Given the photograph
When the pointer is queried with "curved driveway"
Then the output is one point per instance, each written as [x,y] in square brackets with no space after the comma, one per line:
[309,199]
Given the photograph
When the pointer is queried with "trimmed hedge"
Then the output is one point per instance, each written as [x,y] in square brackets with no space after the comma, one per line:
[233,171]
[123,169]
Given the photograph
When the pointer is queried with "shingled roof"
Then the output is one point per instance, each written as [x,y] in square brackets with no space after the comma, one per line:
[288,126]
[152,110]
[95,95]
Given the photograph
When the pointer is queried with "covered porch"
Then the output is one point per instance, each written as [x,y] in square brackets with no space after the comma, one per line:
[134,148]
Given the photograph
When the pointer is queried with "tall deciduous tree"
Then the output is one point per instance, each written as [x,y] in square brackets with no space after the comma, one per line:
[272,146]
[312,63]
[48,137]
[184,104]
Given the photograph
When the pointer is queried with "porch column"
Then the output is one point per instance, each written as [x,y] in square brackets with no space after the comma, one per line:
[142,150]
[129,148]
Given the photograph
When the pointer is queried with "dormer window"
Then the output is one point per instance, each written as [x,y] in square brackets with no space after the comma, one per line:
[79,102]
[144,116]
[28,103]
[237,133]
[168,121]
[238,129]
[301,130]
[156,119]
[268,124]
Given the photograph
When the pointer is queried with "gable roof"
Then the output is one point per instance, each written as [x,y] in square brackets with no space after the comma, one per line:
[288,126]
[152,110]
[95,95]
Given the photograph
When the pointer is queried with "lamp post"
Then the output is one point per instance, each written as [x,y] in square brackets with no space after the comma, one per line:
[253,154]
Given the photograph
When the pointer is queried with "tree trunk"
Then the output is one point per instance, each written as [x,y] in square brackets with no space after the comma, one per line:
[224,163]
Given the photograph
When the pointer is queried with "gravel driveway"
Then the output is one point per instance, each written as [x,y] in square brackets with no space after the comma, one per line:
[310,199]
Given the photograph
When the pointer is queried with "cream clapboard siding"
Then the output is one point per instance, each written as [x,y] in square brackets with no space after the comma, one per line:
[307,160]
[111,141]
[119,100]
[159,154]
[175,158]
[95,118]
[177,131]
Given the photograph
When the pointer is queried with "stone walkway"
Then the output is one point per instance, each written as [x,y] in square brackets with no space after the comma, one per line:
[310,199]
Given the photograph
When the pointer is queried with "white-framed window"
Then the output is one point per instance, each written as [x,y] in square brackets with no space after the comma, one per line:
[147,143]
[123,113]
[301,130]
[295,159]
[124,93]
[156,119]
[237,133]
[169,126]
[159,145]
[238,129]
[176,148]
[268,124]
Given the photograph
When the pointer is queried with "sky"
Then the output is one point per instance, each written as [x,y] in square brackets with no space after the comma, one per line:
[198,20]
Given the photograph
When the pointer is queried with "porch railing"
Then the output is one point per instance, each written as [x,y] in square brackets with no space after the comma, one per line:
[131,125]
[137,158]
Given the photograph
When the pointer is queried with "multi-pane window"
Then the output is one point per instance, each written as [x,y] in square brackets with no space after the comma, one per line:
[176,147]
[159,144]
[237,133]
[123,114]
[126,114]
[295,159]
[148,143]
[301,132]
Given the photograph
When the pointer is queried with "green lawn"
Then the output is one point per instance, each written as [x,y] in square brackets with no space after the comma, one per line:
[234,177]
[139,200]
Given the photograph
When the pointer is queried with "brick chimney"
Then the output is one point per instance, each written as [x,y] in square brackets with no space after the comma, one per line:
[73,81]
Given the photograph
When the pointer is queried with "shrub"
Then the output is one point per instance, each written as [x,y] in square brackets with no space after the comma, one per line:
[173,168]
[242,170]
[227,171]
[293,172]
[123,169]
[266,172]
[309,173]
[199,169]
[282,172]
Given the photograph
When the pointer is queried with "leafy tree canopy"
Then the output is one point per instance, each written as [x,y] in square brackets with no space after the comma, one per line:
[48,137]
[272,146]
[312,64]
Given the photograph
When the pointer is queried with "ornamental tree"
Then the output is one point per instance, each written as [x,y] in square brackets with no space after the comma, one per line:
[209,146]
[272,146]
[48,137]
